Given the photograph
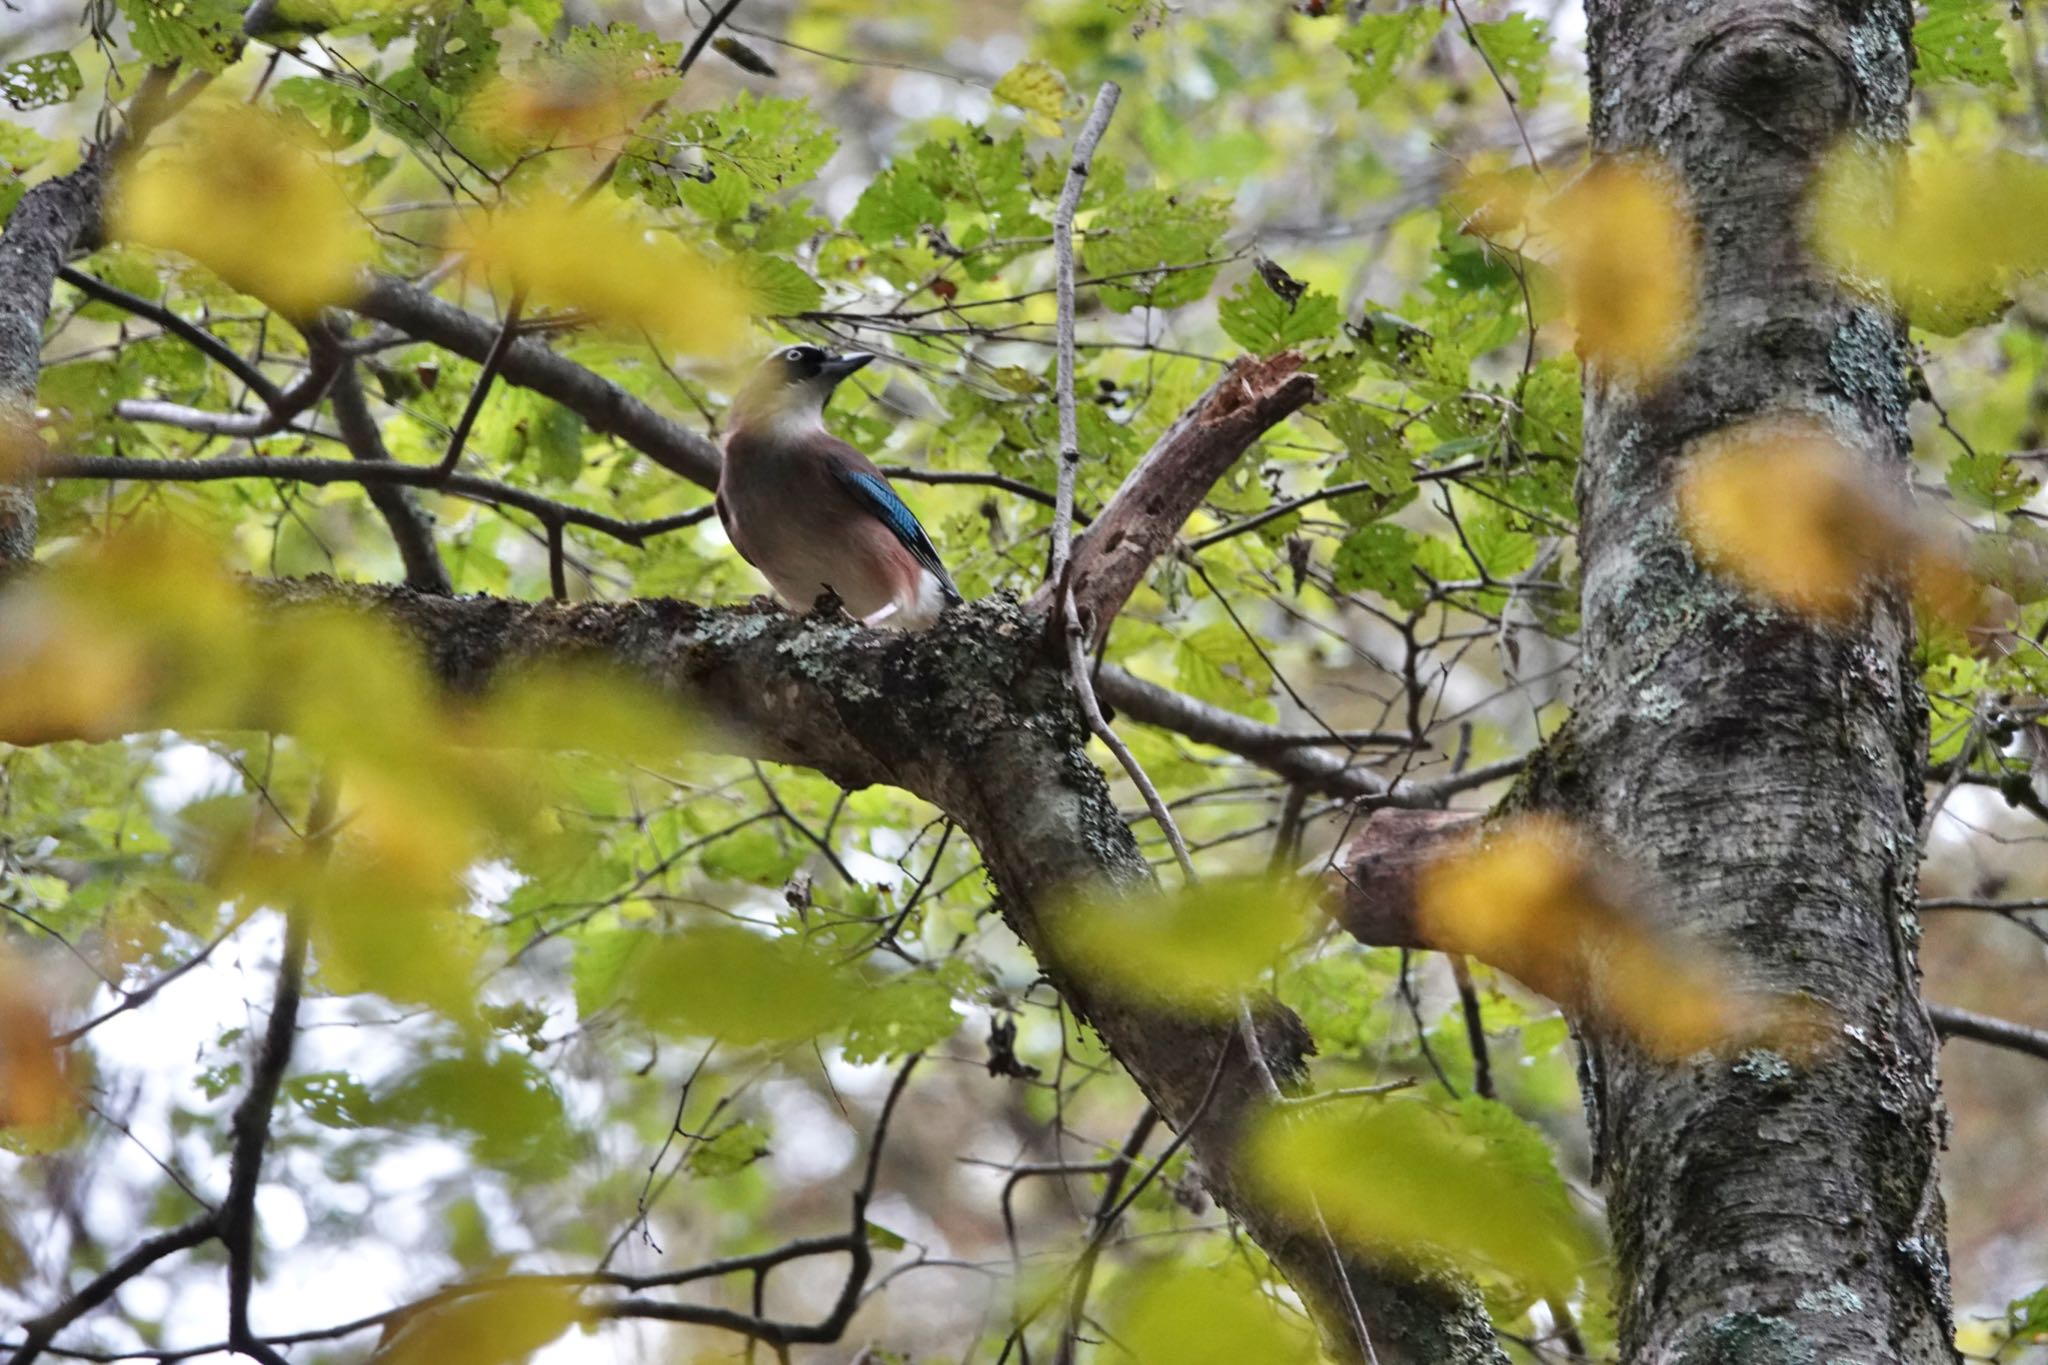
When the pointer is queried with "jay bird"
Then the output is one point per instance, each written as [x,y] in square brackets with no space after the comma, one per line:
[812,513]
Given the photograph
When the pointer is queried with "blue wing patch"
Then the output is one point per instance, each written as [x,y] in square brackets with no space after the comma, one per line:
[874,493]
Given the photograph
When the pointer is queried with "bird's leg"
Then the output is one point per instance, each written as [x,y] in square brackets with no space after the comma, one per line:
[875,618]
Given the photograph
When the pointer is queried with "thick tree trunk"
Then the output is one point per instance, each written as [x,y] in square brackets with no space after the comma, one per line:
[1765,768]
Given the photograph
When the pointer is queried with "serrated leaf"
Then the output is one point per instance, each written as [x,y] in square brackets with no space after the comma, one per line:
[44,79]
[1381,45]
[1262,322]
[506,1107]
[1039,90]
[779,287]
[1962,40]
[556,439]
[1989,480]
[1153,231]
[202,34]
[1218,664]
[1380,558]
[1519,48]
[894,206]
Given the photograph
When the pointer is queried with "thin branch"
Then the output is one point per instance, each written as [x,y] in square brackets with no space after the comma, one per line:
[412,528]
[186,330]
[481,390]
[1951,1022]
[322,366]
[38,1332]
[251,1129]
[604,407]
[690,56]
[468,486]
[1101,1225]
[1063,268]
[1077,668]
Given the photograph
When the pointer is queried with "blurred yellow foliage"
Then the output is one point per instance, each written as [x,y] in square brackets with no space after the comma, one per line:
[1171,1311]
[621,273]
[499,1326]
[1407,1178]
[145,630]
[1533,899]
[35,1091]
[1782,508]
[1195,950]
[562,104]
[1622,245]
[1041,92]
[1948,230]
[247,196]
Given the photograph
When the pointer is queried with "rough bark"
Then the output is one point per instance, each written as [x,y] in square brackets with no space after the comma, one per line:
[974,717]
[48,222]
[1761,767]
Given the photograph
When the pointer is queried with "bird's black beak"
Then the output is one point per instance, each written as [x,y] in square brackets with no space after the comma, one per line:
[840,366]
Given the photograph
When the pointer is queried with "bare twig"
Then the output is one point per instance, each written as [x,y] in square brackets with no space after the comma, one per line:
[468,486]
[1077,666]
[186,330]
[493,358]
[322,366]
[1063,268]
[1951,1022]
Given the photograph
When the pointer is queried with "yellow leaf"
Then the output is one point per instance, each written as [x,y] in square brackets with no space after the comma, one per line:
[1782,508]
[1622,246]
[1947,230]
[1040,91]
[1532,899]
[1169,1311]
[1197,950]
[35,1091]
[1406,1179]
[245,195]
[492,1327]
[622,273]
[1494,198]
[558,104]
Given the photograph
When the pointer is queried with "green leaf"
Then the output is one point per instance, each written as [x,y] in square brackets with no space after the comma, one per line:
[1519,48]
[755,854]
[779,287]
[202,34]
[1262,322]
[907,1012]
[1376,456]
[879,1236]
[894,206]
[1963,41]
[1380,558]
[1469,1180]
[733,1148]
[336,113]
[1989,480]
[332,1099]
[557,442]
[1218,664]
[509,1109]
[1195,951]
[1148,231]
[756,146]
[44,79]
[1380,45]
[737,985]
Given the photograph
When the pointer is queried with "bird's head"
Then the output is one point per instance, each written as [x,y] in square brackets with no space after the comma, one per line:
[790,387]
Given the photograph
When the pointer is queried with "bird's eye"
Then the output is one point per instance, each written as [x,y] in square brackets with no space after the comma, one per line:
[794,355]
